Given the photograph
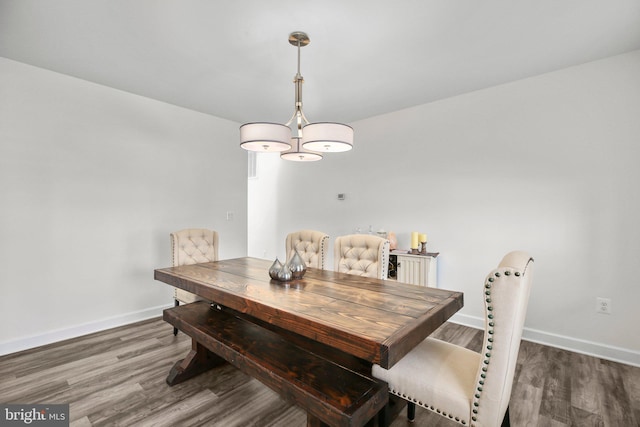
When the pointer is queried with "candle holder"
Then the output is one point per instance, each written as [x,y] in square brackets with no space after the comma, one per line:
[414,251]
[424,248]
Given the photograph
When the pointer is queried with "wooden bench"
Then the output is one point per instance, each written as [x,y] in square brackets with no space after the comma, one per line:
[331,393]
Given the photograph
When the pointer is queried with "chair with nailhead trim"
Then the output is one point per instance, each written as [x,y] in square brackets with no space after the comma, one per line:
[311,246]
[192,246]
[361,254]
[462,385]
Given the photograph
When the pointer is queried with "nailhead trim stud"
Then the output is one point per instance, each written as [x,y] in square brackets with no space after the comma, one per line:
[489,345]
[490,323]
[429,407]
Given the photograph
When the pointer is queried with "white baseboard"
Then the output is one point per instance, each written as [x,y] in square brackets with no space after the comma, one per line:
[26,343]
[590,348]
[615,354]
[470,321]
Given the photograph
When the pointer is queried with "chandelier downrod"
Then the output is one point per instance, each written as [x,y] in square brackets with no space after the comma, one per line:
[298,39]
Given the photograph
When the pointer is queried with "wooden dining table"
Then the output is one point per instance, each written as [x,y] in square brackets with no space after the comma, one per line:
[371,320]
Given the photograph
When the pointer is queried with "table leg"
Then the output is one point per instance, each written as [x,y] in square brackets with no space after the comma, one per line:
[198,360]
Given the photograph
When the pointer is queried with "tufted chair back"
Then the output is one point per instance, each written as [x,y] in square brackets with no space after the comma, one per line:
[362,254]
[462,385]
[310,244]
[192,246]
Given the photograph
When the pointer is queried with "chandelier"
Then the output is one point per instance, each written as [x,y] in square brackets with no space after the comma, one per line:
[310,140]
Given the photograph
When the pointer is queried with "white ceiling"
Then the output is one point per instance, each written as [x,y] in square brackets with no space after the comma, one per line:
[231,58]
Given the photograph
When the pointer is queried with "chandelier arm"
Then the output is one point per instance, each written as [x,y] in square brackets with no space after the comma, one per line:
[295,113]
[304,118]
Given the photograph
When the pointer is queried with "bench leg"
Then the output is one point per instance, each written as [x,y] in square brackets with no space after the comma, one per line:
[197,361]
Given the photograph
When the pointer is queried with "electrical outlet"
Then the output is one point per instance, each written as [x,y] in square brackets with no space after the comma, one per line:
[229,215]
[603,305]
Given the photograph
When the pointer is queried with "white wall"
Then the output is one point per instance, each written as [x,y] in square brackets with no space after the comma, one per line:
[262,208]
[92,181]
[547,164]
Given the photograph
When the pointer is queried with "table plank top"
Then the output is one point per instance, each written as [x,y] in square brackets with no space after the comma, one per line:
[376,320]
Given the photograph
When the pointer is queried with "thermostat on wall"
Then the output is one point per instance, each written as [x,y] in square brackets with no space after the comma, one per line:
[341,196]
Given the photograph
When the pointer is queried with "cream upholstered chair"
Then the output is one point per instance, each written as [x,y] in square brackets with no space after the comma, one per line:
[310,244]
[462,385]
[361,254]
[192,246]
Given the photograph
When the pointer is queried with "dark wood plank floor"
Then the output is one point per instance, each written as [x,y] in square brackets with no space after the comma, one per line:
[116,378]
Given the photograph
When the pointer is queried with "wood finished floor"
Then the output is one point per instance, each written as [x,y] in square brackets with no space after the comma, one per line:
[116,378]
